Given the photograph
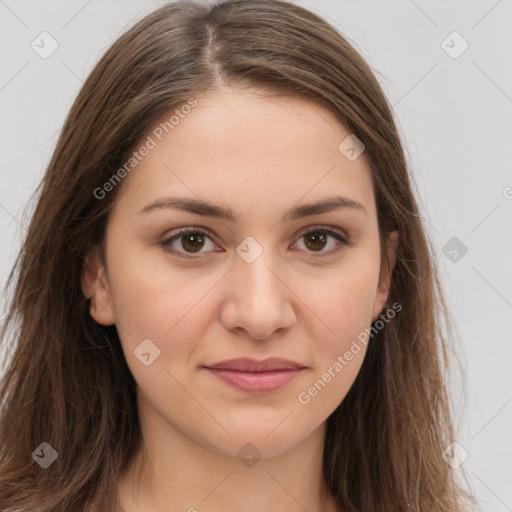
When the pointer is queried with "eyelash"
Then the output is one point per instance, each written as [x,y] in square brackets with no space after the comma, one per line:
[165,244]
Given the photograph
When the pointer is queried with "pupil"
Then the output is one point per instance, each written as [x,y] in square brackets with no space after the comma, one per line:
[316,238]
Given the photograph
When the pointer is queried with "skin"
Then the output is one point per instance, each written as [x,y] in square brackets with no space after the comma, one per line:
[260,157]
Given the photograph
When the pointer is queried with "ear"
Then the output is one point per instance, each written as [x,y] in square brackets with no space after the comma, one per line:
[95,287]
[385,275]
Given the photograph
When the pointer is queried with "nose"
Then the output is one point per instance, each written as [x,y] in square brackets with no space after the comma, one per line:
[258,299]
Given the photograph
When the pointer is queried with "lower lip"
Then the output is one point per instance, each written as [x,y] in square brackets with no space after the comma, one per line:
[256,382]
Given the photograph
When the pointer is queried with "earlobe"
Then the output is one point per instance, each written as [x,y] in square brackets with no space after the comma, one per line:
[385,275]
[96,288]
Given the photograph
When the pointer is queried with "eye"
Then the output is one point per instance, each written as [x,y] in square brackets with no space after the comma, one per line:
[316,239]
[192,242]
[188,241]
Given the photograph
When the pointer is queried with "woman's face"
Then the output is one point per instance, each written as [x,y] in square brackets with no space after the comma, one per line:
[260,275]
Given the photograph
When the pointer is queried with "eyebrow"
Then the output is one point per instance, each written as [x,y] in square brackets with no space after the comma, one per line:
[199,207]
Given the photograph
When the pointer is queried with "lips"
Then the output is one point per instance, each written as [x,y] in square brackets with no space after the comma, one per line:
[251,365]
[254,376]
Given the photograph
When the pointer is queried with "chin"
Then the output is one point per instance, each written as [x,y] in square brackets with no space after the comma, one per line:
[258,440]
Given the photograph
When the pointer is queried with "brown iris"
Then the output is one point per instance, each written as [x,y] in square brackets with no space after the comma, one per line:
[317,240]
[192,242]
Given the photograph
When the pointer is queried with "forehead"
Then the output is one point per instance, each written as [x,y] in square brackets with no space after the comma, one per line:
[236,145]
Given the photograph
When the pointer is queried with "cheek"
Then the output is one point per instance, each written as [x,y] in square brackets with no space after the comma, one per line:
[340,307]
[340,318]
[169,307]
[149,296]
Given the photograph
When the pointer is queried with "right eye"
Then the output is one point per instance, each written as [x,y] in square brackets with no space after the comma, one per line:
[190,240]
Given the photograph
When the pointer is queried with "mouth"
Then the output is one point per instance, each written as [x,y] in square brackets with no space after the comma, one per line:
[253,376]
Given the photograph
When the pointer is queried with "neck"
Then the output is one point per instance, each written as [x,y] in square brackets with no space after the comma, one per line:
[173,472]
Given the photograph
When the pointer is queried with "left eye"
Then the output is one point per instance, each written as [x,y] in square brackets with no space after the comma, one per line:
[317,239]
[194,240]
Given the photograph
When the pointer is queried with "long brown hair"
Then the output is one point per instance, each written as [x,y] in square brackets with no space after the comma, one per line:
[66,381]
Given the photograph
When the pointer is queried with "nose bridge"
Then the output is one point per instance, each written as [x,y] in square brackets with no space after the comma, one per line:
[259,301]
[262,286]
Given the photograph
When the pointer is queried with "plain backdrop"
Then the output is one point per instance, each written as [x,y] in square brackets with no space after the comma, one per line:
[446,68]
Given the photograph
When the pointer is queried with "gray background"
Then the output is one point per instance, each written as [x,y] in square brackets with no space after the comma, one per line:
[455,115]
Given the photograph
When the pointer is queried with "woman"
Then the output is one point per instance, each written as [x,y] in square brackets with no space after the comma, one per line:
[226,299]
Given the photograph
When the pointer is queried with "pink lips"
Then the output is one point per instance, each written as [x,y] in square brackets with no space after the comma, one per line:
[256,376]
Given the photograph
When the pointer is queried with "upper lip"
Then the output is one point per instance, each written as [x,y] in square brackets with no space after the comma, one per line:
[245,364]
